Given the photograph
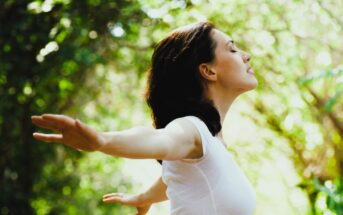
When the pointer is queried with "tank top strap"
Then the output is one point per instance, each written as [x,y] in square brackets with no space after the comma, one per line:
[201,126]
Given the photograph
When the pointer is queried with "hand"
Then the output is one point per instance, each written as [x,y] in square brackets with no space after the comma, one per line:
[126,199]
[72,133]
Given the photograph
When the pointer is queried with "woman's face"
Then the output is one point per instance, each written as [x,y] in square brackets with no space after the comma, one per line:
[231,65]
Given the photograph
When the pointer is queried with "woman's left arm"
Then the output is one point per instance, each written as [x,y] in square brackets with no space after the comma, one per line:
[143,201]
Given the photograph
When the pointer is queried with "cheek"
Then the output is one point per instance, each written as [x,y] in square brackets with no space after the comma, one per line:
[229,63]
[229,71]
[229,79]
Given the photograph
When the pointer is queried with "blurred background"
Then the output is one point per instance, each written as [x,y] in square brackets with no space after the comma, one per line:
[88,59]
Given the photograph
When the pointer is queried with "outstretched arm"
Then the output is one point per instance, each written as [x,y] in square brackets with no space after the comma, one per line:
[156,193]
[143,201]
[178,140]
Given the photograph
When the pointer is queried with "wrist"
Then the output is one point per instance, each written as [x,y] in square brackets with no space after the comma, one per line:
[106,139]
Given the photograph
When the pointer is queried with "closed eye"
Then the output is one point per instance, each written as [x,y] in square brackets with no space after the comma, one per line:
[231,44]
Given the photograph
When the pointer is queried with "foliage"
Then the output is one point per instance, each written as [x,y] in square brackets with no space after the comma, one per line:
[333,192]
[48,49]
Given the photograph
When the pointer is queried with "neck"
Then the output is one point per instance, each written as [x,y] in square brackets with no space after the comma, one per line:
[223,103]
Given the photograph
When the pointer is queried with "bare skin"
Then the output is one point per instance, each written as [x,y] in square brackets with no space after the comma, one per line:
[72,133]
[143,201]
[228,76]
[129,200]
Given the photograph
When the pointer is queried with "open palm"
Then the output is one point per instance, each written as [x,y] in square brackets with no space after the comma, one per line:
[127,199]
[70,132]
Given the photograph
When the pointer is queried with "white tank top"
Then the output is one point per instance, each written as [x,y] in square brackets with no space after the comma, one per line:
[210,185]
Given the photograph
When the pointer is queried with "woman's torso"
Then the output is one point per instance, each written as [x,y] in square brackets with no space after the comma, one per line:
[211,185]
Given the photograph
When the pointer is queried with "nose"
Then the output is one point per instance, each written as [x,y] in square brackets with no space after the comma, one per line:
[246,57]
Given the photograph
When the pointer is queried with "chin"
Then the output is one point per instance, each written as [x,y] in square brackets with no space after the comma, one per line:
[252,85]
[248,87]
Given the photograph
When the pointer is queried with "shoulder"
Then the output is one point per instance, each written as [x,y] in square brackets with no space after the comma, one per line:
[184,126]
[186,131]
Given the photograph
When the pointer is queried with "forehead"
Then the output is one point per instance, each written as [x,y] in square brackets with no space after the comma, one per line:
[220,37]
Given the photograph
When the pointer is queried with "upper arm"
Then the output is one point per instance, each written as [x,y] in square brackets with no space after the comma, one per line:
[180,139]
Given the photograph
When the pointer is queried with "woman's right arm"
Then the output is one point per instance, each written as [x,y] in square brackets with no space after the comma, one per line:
[178,140]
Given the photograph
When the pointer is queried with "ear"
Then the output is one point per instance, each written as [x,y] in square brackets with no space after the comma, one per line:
[207,72]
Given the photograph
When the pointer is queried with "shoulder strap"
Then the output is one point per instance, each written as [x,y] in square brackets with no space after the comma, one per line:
[201,125]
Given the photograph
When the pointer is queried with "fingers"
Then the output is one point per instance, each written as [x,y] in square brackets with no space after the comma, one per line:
[126,200]
[57,138]
[111,194]
[40,122]
[60,121]
[113,197]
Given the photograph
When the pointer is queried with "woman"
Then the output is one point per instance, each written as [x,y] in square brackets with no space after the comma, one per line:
[196,73]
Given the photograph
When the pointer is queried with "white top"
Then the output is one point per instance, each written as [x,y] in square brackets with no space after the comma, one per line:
[210,185]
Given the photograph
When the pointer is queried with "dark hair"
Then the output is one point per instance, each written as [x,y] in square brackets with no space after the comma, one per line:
[175,86]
